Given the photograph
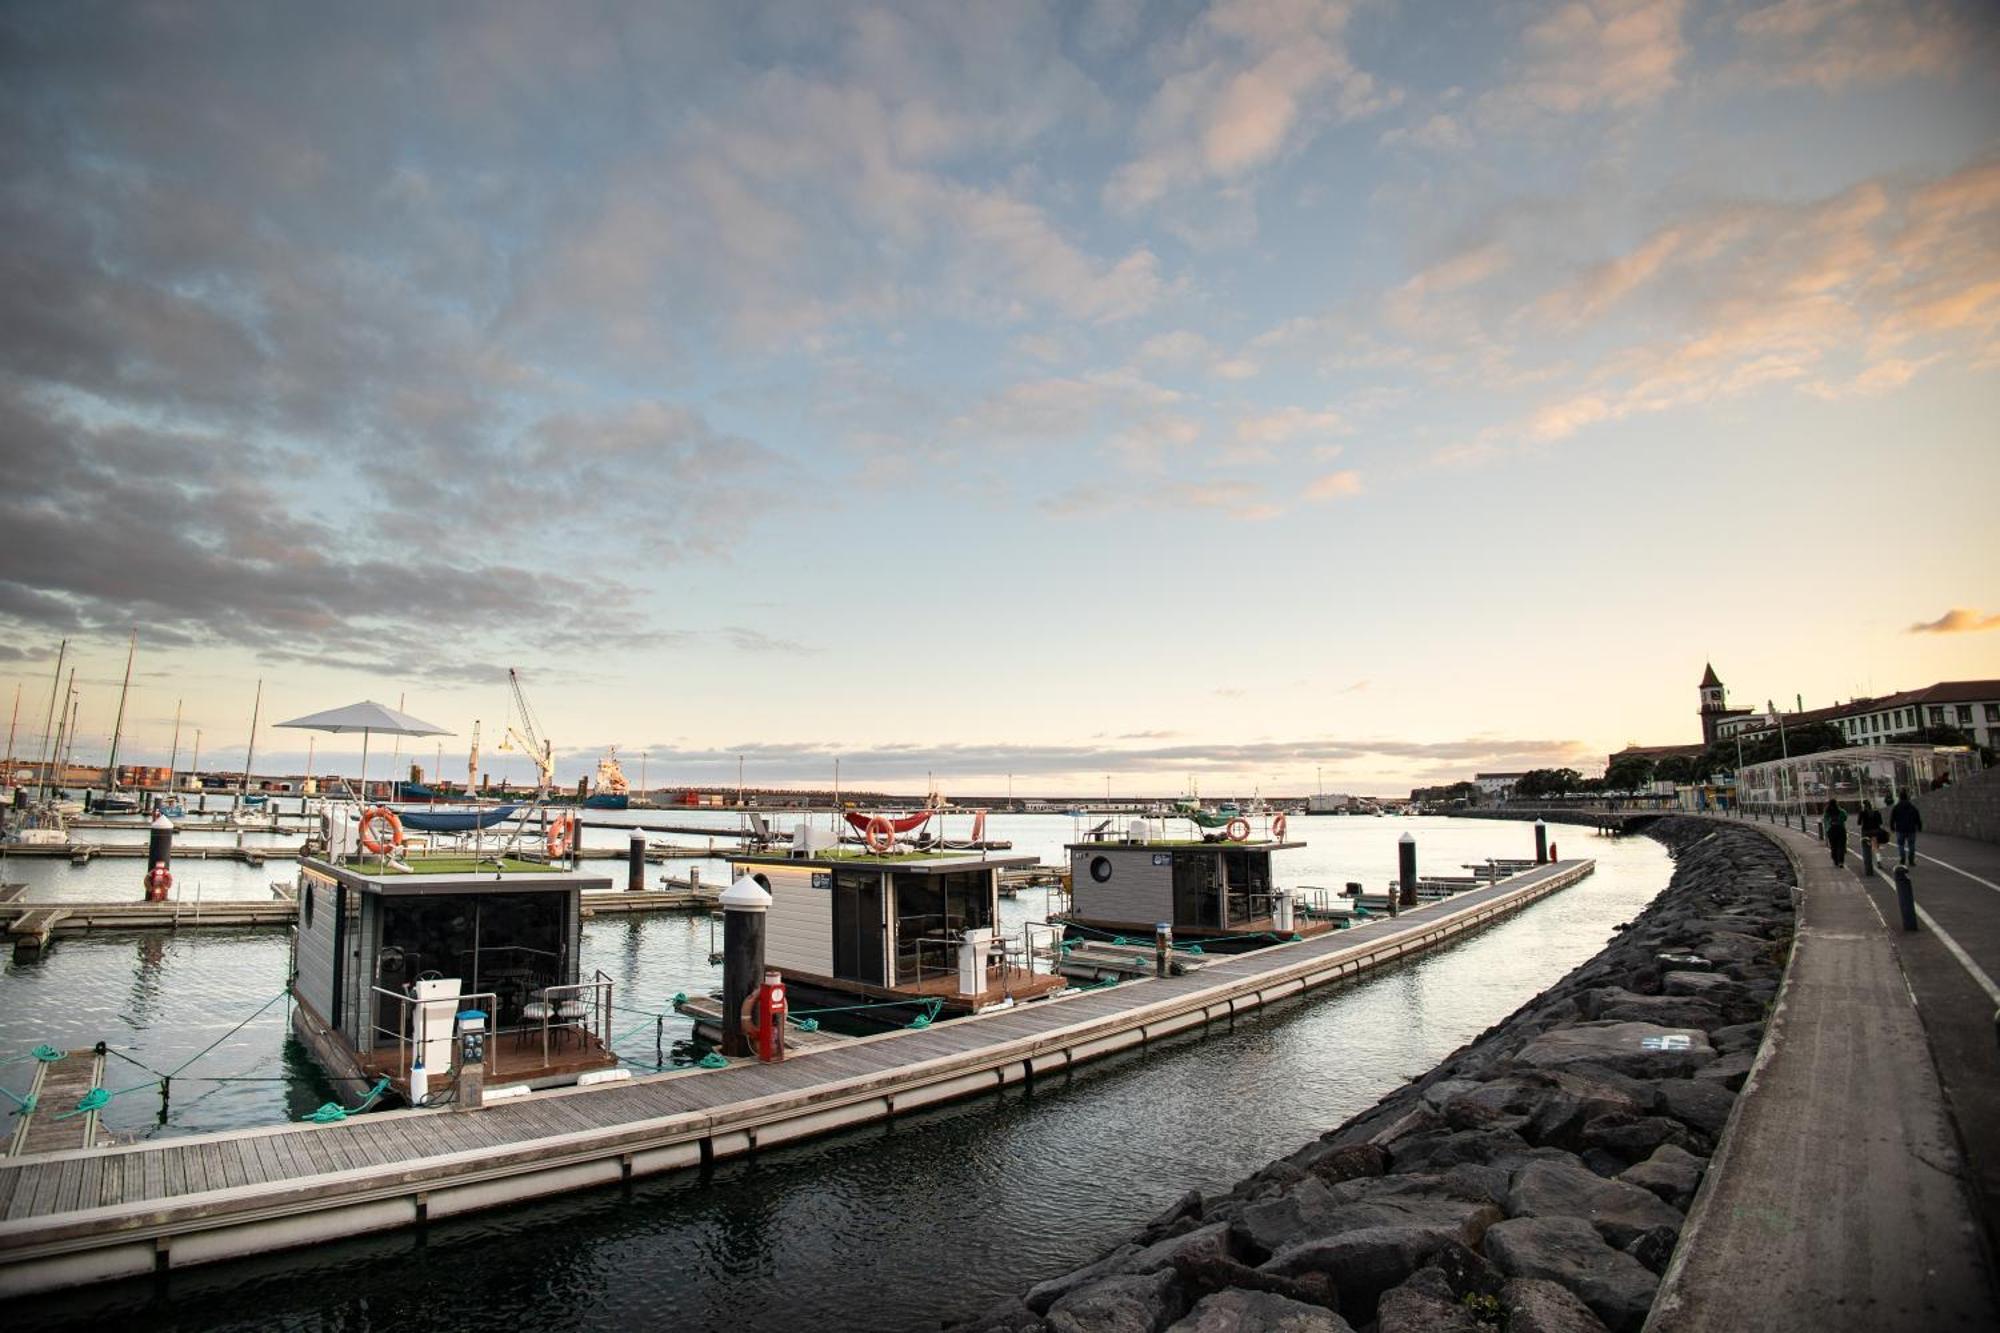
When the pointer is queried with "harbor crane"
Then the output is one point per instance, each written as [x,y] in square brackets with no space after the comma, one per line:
[527,737]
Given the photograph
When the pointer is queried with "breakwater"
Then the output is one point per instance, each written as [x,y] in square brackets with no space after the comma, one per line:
[1538,1177]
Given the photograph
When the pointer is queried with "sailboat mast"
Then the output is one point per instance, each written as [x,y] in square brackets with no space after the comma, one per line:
[8,780]
[67,731]
[472,764]
[118,725]
[48,721]
[396,754]
[250,752]
[173,755]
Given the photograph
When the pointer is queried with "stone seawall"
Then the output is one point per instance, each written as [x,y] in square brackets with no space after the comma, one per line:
[1535,1181]
[1971,809]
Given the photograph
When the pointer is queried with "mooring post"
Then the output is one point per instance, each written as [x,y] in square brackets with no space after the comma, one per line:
[159,858]
[1163,946]
[1541,843]
[1867,858]
[1406,861]
[745,905]
[635,863]
[1906,898]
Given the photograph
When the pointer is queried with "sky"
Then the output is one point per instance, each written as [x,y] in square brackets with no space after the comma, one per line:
[1264,395]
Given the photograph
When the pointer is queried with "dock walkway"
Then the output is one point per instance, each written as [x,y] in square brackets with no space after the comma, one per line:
[1840,1198]
[85,1216]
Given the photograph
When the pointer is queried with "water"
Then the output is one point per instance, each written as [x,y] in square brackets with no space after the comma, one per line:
[884,1228]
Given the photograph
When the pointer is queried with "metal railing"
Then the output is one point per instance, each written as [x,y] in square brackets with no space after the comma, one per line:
[584,1005]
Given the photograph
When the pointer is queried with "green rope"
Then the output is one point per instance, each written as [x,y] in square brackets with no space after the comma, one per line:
[26,1103]
[680,998]
[46,1053]
[713,1061]
[804,1024]
[90,1101]
[332,1113]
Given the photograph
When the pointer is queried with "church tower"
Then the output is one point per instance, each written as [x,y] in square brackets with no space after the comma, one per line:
[1714,705]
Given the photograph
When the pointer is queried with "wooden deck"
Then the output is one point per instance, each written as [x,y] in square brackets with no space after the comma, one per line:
[58,1087]
[91,1215]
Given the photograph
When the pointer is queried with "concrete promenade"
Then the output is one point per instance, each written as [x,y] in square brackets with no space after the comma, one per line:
[1841,1198]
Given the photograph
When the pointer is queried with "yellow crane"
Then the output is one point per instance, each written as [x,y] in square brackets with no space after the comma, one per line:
[527,737]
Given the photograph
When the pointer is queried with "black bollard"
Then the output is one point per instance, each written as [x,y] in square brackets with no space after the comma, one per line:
[1163,946]
[1906,898]
[1541,843]
[1406,866]
[1867,857]
[159,858]
[635,863]
[745,905]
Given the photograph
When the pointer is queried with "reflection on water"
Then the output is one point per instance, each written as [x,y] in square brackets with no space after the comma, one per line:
[884,1228]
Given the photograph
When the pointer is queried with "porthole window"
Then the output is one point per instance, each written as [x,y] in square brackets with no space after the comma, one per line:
[1100,868]
[309,904]
[763,882]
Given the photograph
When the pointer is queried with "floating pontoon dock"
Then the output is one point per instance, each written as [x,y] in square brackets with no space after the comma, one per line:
[90,1215]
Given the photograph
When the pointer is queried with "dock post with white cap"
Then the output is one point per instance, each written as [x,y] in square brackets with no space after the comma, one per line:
[635,862]
[745,905]
[1541,843]
[159,858]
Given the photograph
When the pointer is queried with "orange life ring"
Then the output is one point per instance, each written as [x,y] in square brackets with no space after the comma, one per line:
[879,824]
[979,826]
[1238,829]
[381,814]
[1278,827]
[562,832]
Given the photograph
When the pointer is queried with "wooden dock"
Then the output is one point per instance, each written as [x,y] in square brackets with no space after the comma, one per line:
[88,1215]
[54,1124]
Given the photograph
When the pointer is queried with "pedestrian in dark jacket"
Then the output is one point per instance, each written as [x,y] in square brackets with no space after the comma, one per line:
[1905,822]
[1834,820]
[1871,824]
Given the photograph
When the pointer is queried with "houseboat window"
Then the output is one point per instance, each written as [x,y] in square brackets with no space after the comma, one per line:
[509,944]
[933,912]
[857,926]
[1100,868]
[763,880]
[309,904]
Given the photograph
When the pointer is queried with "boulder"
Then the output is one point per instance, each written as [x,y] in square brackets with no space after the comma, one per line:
[1670,1011]
[1644,1050]
[1619,1211]
[1044,1294]
[1009,1316]
[1187,1208]
[1131,1303]
[1569,1251]
[1536,1305]
[1424,1304]
[1349,1162]
[1670,1175]
[1653,1247]
[1372,1246]
[1441,1150]
[1210,1242]
[1269,1225]
[1633,1137]
[1465,1272]
[1258,1312]
[1202,1277]
[1731,1070]
[1703,1103]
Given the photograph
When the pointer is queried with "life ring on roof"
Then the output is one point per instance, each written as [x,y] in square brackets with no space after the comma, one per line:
[562,834]
[880,834]
[1238,829]
[1278,827]
[381,814]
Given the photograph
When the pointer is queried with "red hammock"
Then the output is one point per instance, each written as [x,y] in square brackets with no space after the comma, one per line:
[900,823]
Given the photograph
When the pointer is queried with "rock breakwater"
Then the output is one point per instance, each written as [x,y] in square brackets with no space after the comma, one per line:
[1535,1181]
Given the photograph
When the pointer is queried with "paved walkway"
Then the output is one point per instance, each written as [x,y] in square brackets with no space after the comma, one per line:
[1840,1199]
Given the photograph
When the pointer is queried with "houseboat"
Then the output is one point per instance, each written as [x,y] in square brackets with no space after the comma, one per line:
[1216,888]
[862,926]
[390,952]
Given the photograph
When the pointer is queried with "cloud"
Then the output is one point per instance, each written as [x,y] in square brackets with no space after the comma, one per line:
[1831,44]
[1288,423]
[1334,486]
[756,641]
[1440,133]
[1958,620]
[1248,79]
[1592,55]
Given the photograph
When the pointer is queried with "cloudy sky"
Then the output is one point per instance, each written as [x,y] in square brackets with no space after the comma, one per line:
[1269,391]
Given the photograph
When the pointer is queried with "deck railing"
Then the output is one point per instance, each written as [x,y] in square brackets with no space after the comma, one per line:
[405,1007]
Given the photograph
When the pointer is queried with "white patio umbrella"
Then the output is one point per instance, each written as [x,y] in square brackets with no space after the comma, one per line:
[366,717]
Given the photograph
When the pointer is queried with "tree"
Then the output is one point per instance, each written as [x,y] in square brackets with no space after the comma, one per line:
[1628,774]
[1674,768]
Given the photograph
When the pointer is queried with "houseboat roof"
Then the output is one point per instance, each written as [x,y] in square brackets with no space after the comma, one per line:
[916,863]
[453,875]
[1182,845]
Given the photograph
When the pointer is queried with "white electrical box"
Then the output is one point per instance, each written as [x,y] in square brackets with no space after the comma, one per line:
[436,1015]
[973,952]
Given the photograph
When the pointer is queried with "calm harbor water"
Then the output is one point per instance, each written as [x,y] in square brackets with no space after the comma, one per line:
[889,1228]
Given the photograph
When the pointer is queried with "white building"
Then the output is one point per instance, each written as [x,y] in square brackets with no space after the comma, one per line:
[1497,786]
[1972,706]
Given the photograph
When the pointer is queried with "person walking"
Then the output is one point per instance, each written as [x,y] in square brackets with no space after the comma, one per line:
[1833,820]
[1905,822]
[1871,824]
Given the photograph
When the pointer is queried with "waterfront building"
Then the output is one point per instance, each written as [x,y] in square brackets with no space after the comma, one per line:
[1718,719]
[1851,775]
[1971,706]
[1496,786]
